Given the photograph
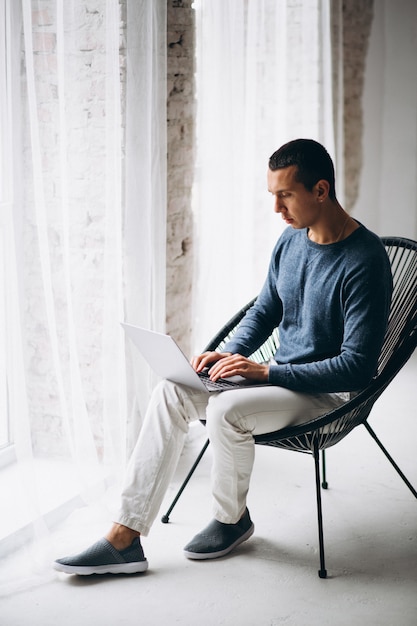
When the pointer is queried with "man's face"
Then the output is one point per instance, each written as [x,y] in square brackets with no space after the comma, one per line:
[298,207]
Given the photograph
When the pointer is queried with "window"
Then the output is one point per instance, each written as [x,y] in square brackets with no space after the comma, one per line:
[5,433]
[5,166]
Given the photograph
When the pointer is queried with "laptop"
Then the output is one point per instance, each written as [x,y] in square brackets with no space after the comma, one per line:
[167,360]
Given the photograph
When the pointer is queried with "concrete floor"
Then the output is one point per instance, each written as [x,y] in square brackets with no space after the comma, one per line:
[370,525]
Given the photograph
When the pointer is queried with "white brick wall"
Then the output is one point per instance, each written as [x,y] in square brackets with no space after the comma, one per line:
[357,22]
[181,113]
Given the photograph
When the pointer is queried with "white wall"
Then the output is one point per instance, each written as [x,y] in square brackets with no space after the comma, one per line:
[387,200]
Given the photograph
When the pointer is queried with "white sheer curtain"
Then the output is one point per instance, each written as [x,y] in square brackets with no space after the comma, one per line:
[264,76]
[145,211]
[83,152]
[387,200]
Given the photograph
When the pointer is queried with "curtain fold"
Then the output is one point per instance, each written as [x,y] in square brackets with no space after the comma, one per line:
[146,195]
[83,166]
[264,77]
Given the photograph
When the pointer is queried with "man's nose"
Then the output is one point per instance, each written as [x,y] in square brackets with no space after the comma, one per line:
[277,207]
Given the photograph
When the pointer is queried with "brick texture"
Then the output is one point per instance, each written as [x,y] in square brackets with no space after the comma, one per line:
[180,121]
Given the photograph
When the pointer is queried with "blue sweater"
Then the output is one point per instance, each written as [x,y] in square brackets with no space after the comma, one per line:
[331,304]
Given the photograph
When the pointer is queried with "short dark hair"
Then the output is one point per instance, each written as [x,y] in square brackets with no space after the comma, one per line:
[312,160]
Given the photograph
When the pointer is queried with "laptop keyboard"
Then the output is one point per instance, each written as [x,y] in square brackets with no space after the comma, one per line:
[221,383]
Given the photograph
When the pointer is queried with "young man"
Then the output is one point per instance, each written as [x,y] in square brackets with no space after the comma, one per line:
[328,290]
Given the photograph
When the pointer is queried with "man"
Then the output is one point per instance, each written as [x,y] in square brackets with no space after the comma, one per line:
[328,290]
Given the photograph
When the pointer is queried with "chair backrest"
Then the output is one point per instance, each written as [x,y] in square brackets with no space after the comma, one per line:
[399,344]
[401,336]
[264,353]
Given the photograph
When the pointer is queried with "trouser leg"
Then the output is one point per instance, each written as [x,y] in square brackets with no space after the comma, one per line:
[157,452]
[233,417]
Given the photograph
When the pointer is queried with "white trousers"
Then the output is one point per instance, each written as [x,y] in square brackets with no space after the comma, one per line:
[233,417]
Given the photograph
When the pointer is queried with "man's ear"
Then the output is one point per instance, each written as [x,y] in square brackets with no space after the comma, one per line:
[322,189]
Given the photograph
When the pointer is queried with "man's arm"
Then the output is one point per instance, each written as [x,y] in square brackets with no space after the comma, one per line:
[254,329]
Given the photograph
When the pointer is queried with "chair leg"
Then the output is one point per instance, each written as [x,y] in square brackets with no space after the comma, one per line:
[390,459]
[165,518]
[324,482]
[322,571]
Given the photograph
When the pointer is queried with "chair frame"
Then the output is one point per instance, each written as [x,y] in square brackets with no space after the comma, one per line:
[325,431]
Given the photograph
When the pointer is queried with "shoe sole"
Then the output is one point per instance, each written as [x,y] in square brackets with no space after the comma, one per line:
[200,556]
[119,568]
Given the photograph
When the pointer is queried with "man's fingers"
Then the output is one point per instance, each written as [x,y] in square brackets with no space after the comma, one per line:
[206,359]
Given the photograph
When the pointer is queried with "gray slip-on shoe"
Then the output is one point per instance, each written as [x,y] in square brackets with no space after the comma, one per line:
[218,539]
[103,558]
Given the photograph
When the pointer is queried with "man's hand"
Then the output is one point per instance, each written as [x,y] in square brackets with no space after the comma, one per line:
[224,365]
[206,359]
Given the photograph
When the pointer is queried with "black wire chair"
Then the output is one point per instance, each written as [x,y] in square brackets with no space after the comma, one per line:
[327,430]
